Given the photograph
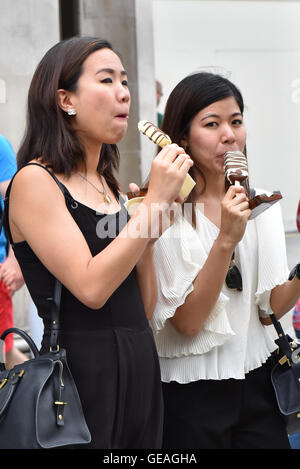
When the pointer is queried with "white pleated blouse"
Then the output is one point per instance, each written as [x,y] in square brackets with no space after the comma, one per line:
[233,341]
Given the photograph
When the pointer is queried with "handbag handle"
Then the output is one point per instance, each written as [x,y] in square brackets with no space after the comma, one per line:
[282,340]
[277,325]
[25,336]
[54,325]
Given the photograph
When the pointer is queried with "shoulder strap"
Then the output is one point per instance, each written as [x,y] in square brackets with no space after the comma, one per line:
[283,339]
[55,307]
[55,310]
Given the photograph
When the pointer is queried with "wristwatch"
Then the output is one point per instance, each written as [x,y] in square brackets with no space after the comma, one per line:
[295,272]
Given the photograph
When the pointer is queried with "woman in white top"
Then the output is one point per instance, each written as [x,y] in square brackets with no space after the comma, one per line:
[214,348]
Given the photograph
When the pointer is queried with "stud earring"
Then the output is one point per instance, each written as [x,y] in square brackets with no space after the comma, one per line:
[71,112]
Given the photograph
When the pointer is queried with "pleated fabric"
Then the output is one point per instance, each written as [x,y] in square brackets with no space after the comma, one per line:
[233,341]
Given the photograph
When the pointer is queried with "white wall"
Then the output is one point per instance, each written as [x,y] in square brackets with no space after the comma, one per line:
[256,44]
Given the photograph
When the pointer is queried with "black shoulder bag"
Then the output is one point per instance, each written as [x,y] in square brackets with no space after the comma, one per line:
[39,402]
[285,377]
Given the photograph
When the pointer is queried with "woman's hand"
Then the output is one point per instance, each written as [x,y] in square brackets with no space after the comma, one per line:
[134,187]
[235,213]
[11,274]
[164,217]
[168,172]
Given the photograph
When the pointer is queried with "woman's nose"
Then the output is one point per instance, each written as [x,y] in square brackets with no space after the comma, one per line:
[123,93]
[228,135]
[126,97]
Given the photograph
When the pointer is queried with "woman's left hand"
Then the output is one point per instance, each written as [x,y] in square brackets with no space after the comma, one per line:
[173,209]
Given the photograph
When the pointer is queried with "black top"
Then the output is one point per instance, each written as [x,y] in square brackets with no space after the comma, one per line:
[98,341]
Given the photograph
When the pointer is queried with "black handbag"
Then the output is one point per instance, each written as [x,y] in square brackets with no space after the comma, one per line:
[285,377]
[39,402]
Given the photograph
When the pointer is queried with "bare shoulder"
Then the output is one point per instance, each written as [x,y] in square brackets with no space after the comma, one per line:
[32,171]
[32,180]
[29,208]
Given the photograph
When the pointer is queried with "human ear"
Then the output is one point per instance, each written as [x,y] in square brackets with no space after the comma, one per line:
[65,102]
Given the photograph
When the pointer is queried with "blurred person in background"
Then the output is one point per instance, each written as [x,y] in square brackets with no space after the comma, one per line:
[11,278]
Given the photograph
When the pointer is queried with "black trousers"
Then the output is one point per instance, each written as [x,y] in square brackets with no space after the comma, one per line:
[224,414]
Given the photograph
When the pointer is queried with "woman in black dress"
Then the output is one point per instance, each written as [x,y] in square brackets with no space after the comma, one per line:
[67,221]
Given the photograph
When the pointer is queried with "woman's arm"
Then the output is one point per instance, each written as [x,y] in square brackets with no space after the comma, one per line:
[146,274]
[190,317]
[147,281]
[39,215]
[283,298]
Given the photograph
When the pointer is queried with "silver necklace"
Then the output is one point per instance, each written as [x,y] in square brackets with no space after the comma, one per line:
[106,196]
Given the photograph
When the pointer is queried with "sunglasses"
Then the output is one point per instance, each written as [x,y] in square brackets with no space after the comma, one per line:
[233,278]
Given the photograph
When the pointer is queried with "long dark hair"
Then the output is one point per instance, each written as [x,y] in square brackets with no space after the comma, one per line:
[192,94]
[49,134]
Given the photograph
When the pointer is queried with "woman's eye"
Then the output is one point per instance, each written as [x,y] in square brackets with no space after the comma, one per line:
[106,80]
[211,124]
[125,83]
[237,122]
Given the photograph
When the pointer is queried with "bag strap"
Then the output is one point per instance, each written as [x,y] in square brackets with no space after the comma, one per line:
[282,341]
[55,310]
[55,307]
[277,325]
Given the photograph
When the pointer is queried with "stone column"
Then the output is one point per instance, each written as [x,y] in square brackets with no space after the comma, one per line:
[28,28]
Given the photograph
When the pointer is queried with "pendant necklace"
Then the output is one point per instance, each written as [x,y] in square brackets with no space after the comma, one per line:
[106,196]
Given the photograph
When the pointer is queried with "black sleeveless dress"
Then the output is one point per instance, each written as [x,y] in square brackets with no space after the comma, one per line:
[110,351]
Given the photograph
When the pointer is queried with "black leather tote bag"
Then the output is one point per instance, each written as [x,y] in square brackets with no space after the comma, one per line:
[39,402]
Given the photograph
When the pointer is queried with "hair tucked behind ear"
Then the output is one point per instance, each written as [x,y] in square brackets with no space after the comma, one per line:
[49,134]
